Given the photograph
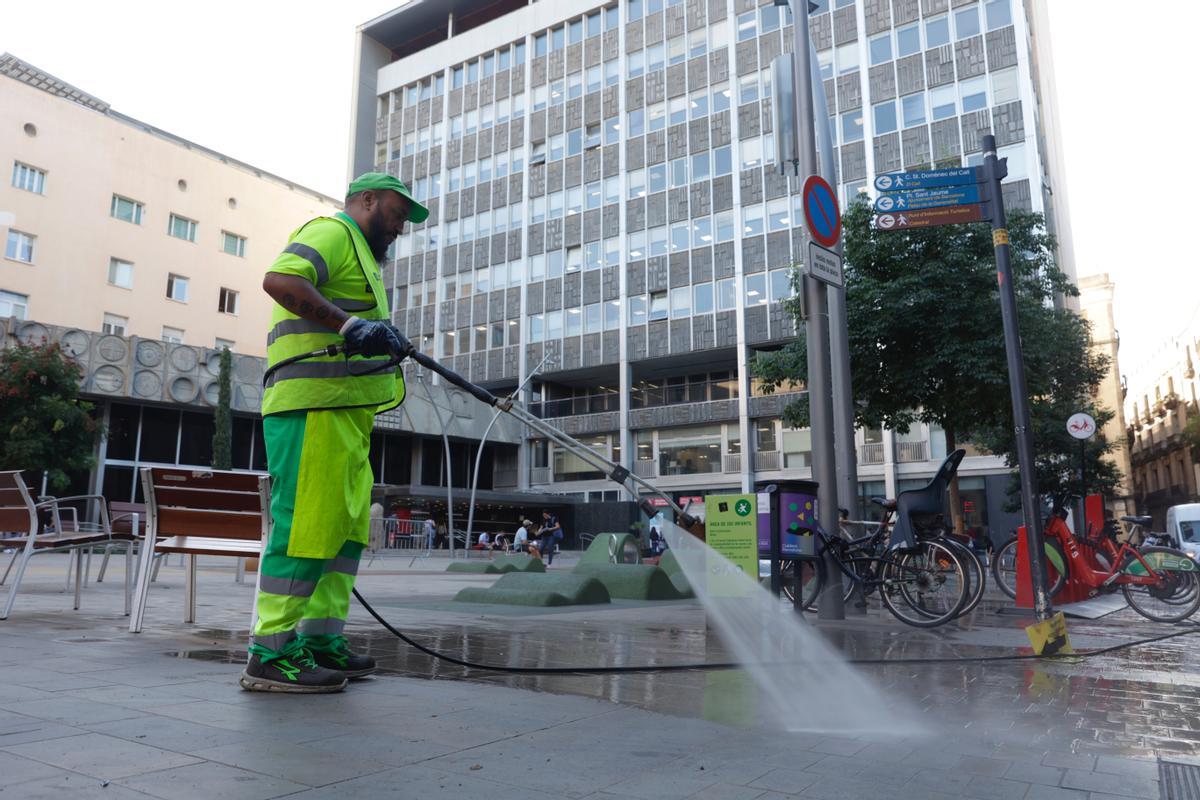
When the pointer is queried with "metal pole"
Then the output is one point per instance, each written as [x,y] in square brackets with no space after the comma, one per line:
[449,477]
[830,605]
[995,170]
[479,453]
[1082,527]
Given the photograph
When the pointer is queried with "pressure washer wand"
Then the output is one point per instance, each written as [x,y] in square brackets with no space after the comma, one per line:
[615,472]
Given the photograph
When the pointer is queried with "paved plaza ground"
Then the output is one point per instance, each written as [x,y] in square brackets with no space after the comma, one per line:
[90,710]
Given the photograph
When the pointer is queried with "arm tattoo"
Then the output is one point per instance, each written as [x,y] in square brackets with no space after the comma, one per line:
[322,312]
[305,307]
[289,301]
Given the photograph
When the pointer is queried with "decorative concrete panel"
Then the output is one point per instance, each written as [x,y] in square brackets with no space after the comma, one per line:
[820,27]
[612,220]
[574,58]
[466,202]
[1002,48]
[845,28]
[483,197]
[931,7]
[703,329]
[905,11]
[779,249]
[721,128]
[749,120]
[882,80]
[754,254]
[751,186]
[574,113]
[611,44]
[572,172]
[512,303]
[591,287]
[700,199]
[499,248]
[697,14]
[500,138]
[887,153]
[554,234]
[499,193]
[591,225]
[573,289]
[635,214]
[591,109]
[849,91]
[677,141]
[680,273]
[910,74]
[534,298]
[572,231]
[774,184]
[657,274]
[702,264]
[722,192]
[726,329]
[769,47]
[830,88]
[496,306]
[878,15]
[718,65]
[656,148]
[1008,123]
[681,335]
[655,28]
[611,104]
[554,294]
[757,327]
[945,141]
[471,97]
[1016,195]
[554,177]
[677,204]
[970,57]
[656,87]
[723,260]
[635,342]
[635,153]
[592,353]
[635,278]
[610,284]
[635,38]
[611,351]
[854,161]
[697,135]
[554,119]
[516,184]
[537,239]
[676,80]
[939,66]
[658,343]
[916,146]
[697,73]
[974,125]
[537,77]
[747,57]
[656,210]
[717,10]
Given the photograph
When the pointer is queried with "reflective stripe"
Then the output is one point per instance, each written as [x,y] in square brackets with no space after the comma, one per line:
[353,305]
[329,626]
[286,586]
[322,369]
[273,641]
[310,255]
[290,326]
[344,565]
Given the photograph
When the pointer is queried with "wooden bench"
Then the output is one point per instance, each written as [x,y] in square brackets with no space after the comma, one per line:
[199,513]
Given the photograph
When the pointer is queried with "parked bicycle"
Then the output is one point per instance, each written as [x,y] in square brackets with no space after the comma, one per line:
[1160,583]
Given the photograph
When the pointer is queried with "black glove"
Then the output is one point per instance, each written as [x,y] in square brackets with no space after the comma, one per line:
[374,338]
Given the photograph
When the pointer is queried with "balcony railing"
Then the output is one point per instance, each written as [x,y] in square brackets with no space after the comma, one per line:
[504,479]
[871,453]
[911,451]
[540,475]
[645,468]
[589,404]
[732,463]
[764,461]
[700,392]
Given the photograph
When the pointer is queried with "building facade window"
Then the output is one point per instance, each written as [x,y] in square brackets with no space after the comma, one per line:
[177,288]
[172,335]
[20,246]
[182,228]
[114,324]
[227,302]
[233,244]
[223,344]
[126,210]
[120,273]
[13,304]
[29,179]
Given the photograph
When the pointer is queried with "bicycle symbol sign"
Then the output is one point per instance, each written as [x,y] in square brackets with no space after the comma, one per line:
[1081,426]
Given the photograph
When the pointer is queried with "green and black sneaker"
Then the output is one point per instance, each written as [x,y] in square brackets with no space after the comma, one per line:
[292,670]
[334,653]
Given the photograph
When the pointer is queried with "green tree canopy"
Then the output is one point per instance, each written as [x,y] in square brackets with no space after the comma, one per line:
[46,427]
[926,337]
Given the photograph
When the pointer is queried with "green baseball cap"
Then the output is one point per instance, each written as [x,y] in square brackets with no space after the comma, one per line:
[380,180]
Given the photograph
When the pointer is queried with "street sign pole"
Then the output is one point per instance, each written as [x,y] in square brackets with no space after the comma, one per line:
[1030,508]
[820,398]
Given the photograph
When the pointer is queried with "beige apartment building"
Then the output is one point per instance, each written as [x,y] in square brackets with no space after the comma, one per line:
[111,225]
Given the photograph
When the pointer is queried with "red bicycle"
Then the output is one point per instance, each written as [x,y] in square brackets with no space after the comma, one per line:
[1160,583]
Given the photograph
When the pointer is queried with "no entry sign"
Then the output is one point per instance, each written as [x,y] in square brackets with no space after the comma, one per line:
[821,212]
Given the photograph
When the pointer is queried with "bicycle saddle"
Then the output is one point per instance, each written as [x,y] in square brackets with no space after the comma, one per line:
[1143,521]
[884,503]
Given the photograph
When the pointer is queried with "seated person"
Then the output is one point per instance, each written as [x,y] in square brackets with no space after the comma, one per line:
[484,542]
[524,541]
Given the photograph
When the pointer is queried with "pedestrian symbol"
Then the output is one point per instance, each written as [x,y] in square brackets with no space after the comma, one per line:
[742,507]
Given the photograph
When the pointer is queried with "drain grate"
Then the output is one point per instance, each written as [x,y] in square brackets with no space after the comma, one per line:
[1178,781]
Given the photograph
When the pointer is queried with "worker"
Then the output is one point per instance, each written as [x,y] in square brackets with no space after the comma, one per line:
[317,418]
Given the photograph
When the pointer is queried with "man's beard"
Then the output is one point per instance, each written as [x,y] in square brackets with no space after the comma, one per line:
[378,239]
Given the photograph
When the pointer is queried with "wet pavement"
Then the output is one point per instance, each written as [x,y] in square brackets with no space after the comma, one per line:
[1001,728]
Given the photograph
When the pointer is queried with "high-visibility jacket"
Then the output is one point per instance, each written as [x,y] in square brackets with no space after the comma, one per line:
[332,254]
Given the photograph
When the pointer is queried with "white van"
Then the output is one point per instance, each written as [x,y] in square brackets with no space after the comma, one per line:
[1183,525]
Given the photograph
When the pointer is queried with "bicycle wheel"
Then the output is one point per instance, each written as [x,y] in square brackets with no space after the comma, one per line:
[812,580]
[975,573]
[925,588]
[1175,597]
[1004,567]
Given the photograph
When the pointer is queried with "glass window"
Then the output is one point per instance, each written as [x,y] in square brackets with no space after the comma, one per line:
[852,126]
[114,324]
[756,289]
[881,48]
[658,116]
[702,298]
[676,50]
[177,287]
[27,178]
[126,210]
[680,236]
[752,220]
[681,302]
[658,240]
[769,18]
[472,72]
[182,228]
[937,31]
[537,267]
[574,200]
[657,178]
[699,105]
[944,101]
[612,315]
[557,93]
[593,78]
[635,64]
[747,89]
[120,273]
[974,93]
[846,58]
[777,214]
[593,255]
[612,252]
[637,310]
[591,318]
[726,294]
[489,64]
[172,335]
[678,108]
[227,301]
[593,24]
[720,98]
[751,153]
[825,64]
[612,72]
[885,117]
[574,259]
[19,246]
[722,161]
[456,77]
[725,226]
[636,181]
[575,85]
[576,31]
[1004,87]
[658,305]
[593,195]
[913,106]
[556,146]
[558,38]
[678,173]
[612,190]
[554,264]
[966,22]
[781,284]
[908,40]
[701,231]
[573,322]
[575,142]
[747,26]
[637,245]
[998,14]
[612,17]
[697,43]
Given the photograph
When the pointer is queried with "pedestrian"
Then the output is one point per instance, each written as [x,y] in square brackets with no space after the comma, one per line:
[430,528]
[550,535]
[318,412]
[521,538]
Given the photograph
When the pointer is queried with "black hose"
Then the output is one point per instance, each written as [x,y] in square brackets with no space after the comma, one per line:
[736,665]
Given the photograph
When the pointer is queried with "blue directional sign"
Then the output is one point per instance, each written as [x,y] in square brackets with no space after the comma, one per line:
[930,198]
[928,179]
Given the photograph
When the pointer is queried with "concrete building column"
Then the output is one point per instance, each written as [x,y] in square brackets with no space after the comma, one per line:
[889,463]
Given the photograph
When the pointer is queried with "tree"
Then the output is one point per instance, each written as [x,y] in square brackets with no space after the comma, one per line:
[222,445]
[46,427]
[926,341]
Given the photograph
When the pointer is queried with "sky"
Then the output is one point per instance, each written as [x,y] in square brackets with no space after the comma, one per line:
[269,83]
